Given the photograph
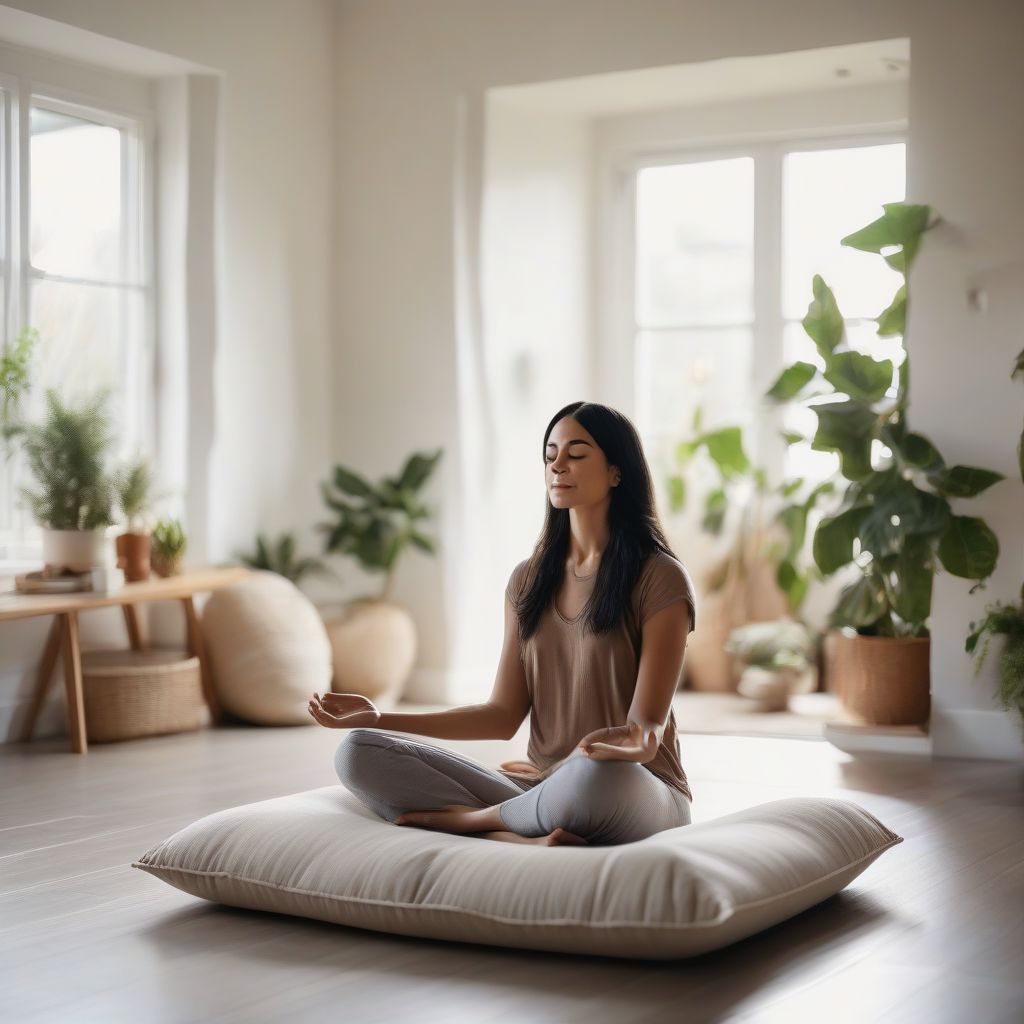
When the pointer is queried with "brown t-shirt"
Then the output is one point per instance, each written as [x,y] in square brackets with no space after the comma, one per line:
[580,681]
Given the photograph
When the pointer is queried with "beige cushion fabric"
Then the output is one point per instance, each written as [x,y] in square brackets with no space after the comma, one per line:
[684,891]
[268,650]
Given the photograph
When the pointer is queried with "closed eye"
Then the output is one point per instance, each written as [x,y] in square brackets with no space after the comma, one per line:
[548,458]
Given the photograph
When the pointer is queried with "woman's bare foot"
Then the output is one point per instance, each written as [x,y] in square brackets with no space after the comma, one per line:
[557,837]
[460,819]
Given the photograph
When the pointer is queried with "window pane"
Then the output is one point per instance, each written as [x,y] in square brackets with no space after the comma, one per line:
[76,196]
[695,243]
[678,370]
[827,194]
[90,340]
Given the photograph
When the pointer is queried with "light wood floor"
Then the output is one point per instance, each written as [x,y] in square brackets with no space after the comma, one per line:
[930,933]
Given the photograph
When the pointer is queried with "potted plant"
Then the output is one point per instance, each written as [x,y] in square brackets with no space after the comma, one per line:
[762,575]
[134,492]
[779,659]
[1004,619]
[279,556]
[73,502]
[168,547]
[895,521]
[373,638]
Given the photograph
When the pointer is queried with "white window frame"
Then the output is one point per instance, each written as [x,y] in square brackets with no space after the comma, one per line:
[22,550]
[616,356]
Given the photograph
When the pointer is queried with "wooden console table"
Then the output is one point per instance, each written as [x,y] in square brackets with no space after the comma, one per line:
[64,634]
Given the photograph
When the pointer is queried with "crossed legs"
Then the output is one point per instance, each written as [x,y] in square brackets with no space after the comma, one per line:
[583,801]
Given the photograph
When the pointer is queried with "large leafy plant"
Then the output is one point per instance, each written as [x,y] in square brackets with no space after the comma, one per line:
[67,454]
[374,523]
[895,519]
[742,483]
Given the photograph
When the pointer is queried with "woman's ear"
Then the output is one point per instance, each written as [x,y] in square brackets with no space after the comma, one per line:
[616,476]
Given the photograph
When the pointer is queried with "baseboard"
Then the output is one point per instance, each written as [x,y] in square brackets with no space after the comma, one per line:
[993,735]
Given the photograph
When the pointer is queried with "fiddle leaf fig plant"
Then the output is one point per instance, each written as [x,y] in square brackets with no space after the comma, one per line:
[896,520]
[741,482]
[374,523]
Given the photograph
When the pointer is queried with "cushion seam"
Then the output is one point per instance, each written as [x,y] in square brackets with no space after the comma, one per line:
[734,909]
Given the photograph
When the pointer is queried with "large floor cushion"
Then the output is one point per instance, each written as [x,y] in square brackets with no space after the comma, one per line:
[684,891]
[268,648]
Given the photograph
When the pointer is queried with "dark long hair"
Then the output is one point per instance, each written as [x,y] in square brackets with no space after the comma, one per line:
[634,530]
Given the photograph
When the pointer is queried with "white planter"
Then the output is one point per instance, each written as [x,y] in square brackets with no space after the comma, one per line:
[374,648]
[77,550]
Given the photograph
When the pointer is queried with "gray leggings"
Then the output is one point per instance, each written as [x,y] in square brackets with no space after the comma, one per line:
[605,802]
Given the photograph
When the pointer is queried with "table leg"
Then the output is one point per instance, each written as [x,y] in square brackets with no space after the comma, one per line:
[131,621]
[198,648]
[43,680]
[73,683]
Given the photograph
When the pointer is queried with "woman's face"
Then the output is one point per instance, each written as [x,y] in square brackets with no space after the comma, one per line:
[575,469]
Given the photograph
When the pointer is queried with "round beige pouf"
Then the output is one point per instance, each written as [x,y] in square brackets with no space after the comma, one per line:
[374,648]
[268,650]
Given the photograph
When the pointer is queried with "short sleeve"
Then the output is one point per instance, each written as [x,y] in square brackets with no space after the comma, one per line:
[664,582]
[515,581]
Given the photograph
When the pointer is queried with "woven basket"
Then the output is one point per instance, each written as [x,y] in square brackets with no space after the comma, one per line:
[882,680]
[140,693]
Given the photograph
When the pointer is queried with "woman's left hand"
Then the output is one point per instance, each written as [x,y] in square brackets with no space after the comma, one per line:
[620,743]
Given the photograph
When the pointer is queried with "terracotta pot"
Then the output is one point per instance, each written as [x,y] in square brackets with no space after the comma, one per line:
[133,550]
[880,679]
[374,647]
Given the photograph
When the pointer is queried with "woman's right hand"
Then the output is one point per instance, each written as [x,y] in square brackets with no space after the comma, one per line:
[344,710]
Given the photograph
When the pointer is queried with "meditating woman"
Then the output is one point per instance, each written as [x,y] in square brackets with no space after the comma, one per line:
[596,623]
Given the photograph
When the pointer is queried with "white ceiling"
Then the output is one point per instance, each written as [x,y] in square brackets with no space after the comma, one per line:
[732,78]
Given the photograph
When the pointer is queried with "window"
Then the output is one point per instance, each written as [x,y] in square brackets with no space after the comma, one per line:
[75,267]
[725,246]
[827,194]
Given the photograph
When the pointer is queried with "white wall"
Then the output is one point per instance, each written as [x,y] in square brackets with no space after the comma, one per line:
[406,70]
[271,329]
[407,102]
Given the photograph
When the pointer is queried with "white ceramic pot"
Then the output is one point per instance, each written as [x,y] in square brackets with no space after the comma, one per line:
[374,648]
[77,550]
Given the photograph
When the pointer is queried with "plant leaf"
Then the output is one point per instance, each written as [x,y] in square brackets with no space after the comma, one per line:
[859,376]
[791,381]
[725,447]
[832,546]
[968,548]
[964,481]
[893,319]
[823,322]
[351,483]
[846,427]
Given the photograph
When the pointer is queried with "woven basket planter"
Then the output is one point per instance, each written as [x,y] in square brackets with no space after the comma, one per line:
[128,694]
[882,680]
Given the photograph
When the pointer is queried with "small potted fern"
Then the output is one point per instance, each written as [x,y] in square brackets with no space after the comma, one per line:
[134,492]
[73,501]
[168,547]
